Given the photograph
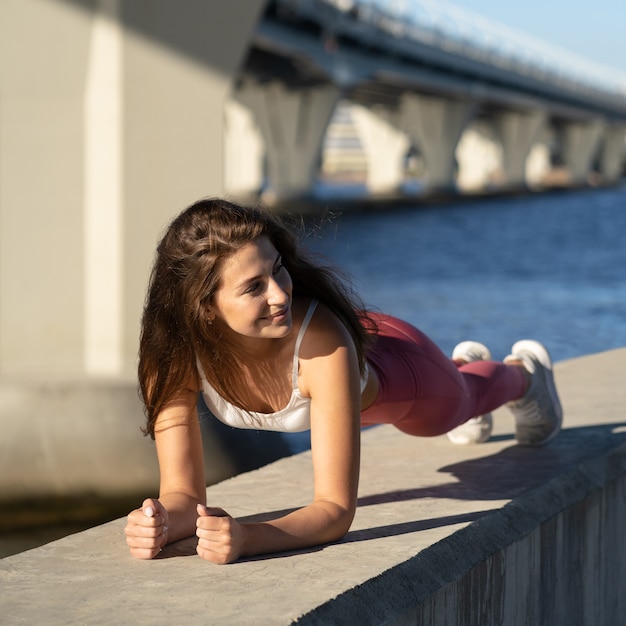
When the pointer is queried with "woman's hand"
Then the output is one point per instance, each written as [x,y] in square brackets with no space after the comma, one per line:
[146,529]
[220,537]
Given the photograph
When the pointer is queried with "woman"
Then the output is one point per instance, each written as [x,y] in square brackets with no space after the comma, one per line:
[236,312]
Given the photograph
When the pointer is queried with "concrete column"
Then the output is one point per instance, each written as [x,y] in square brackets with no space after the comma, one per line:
[613,151]
[436,125]
[43,66]
[293,124]
[244,152]
[103,179]
[111,120]
[518,131]
[385,147]
[539,161]
[479,157]
[180,61]
[579,144]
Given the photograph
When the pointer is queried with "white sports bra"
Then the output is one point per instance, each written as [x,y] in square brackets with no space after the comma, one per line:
[294,417]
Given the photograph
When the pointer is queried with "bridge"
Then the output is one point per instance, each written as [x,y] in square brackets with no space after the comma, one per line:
[115,115]
[428,77]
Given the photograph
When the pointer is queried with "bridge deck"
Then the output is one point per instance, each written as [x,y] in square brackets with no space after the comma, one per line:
[429,512]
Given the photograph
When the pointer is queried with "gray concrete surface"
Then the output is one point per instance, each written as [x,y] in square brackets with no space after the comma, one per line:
[430,514]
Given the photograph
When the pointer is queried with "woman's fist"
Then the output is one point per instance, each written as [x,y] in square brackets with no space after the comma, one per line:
[146,529]
[220,537]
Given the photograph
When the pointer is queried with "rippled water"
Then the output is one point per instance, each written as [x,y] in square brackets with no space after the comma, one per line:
[551,267]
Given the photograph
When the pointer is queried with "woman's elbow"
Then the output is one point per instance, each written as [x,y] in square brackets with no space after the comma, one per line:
[341,524]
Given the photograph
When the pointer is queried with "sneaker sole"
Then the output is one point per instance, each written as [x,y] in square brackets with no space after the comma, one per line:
[472,432]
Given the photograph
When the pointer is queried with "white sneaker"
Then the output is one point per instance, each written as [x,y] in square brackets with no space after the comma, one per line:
[538,415]
[470,351]
[477,429]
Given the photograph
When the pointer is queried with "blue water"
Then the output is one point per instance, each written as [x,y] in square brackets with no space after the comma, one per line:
[550,267]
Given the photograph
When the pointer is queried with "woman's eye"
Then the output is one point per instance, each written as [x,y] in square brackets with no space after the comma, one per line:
[252,288]
[278,268]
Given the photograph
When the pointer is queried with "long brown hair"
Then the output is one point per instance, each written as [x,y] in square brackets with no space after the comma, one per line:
[176,329]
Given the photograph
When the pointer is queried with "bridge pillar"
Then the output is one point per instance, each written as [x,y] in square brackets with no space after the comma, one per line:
[479,157]
[517,131]
[110,121]
[293,124]
[539,164]
[436,125]
[579,143]
[385,147]
[613,150]
[244,152]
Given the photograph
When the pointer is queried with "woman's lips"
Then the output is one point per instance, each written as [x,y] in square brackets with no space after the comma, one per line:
[279,314]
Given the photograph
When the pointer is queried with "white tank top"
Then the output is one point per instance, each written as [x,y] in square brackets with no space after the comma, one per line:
[294,417]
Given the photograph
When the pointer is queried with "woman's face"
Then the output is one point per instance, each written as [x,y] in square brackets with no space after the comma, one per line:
[254,294]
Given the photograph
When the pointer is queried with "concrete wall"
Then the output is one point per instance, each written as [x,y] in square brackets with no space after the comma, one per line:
[111,121]
[554,556]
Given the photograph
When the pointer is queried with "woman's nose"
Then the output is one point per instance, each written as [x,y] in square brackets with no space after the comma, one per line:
[277,294]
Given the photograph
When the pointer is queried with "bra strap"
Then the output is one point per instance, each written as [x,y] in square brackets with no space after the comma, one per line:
[303,327]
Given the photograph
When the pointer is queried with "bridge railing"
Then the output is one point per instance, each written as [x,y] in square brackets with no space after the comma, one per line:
[454,29]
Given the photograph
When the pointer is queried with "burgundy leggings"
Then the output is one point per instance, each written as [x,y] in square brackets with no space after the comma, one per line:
[422,391]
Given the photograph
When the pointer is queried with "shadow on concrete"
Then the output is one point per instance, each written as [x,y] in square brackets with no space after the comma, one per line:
[392,530]
[150,21]
[515,470]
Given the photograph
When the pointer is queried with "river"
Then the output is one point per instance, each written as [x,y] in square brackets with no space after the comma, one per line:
[550,267]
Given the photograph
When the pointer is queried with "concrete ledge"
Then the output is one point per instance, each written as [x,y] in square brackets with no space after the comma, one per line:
[556,555]
[494,533]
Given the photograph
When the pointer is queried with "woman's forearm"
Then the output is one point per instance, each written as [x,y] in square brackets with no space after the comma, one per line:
[319,523]
[182,515]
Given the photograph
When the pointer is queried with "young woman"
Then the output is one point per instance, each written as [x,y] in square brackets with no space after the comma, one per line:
[235,311]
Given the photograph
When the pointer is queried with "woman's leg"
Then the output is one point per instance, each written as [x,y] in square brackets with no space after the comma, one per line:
[422,392]
[477,429]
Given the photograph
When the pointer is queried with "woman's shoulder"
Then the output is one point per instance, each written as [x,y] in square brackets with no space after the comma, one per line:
[325,330]
[327,353]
